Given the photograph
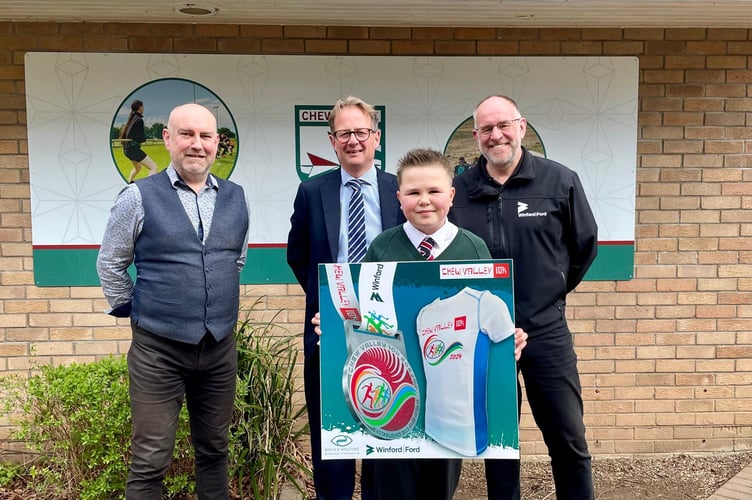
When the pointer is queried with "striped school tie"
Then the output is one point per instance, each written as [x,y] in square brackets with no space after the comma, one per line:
[425,247]
[356,223]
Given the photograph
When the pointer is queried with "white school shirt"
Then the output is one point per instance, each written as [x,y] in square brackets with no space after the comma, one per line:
[442,238]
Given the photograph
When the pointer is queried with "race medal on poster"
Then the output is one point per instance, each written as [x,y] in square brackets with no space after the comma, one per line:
[379,384]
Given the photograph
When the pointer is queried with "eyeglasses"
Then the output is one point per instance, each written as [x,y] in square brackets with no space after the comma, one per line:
[487,130]
[343,136]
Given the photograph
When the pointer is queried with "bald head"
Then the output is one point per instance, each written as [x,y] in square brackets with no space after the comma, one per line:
[191,111]
[191,138]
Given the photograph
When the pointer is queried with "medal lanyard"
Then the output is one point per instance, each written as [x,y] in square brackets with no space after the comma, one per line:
[379,385]
[377,315]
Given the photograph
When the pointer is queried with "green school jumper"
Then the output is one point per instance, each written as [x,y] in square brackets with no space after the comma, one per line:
[393,245]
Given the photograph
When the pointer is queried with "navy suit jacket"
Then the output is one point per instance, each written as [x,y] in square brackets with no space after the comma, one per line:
[314,233]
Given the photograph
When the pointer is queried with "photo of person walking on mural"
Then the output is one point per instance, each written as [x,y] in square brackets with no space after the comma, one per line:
[133,135]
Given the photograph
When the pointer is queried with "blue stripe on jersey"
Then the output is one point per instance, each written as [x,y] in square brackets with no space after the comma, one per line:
[480,372]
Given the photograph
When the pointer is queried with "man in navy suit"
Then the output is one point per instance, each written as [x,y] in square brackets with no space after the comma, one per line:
[319,235]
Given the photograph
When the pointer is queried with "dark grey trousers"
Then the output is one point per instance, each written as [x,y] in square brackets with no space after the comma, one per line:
[162,372]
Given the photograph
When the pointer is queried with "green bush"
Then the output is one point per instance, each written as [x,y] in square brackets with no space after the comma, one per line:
[76,421]
[9,473]
[76,417]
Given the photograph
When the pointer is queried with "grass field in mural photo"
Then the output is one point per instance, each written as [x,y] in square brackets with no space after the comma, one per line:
[156,150]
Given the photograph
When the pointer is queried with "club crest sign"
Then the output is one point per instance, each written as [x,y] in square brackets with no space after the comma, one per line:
[313,152]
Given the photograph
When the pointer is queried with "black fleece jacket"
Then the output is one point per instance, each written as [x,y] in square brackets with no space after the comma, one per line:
[541,219]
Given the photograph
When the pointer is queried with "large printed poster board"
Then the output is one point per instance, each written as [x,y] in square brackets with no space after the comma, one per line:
[273,112]
[417,360]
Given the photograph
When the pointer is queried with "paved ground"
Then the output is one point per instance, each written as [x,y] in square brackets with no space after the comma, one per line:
[738,487]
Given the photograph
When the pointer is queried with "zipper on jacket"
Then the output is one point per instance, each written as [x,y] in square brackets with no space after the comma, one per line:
[494,219]
[490,220]
[500,224]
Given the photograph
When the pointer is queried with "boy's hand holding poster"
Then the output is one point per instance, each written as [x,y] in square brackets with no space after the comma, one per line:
[417,360]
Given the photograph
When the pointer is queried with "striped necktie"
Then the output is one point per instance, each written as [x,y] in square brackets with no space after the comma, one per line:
[425,247]
[356,223]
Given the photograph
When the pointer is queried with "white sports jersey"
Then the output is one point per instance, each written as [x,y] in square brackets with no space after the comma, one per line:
[455,336]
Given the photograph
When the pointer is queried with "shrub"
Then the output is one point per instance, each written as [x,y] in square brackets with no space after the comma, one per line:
[9,473]
[76,419]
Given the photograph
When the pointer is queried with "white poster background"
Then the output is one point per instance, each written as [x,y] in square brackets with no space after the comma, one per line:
[584,109]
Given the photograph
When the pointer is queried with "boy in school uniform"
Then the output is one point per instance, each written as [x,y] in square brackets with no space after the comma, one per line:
[425,193]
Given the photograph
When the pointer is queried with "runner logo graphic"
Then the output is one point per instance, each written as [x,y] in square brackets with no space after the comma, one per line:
[382,390]
[435,350]
[375,323]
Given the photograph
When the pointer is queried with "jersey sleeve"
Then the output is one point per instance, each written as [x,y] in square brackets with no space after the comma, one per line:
[495,320]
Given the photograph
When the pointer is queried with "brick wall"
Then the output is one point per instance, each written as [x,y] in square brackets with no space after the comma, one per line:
[666,358]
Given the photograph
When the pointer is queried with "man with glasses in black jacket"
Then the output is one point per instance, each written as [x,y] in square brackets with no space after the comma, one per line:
[534,211]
